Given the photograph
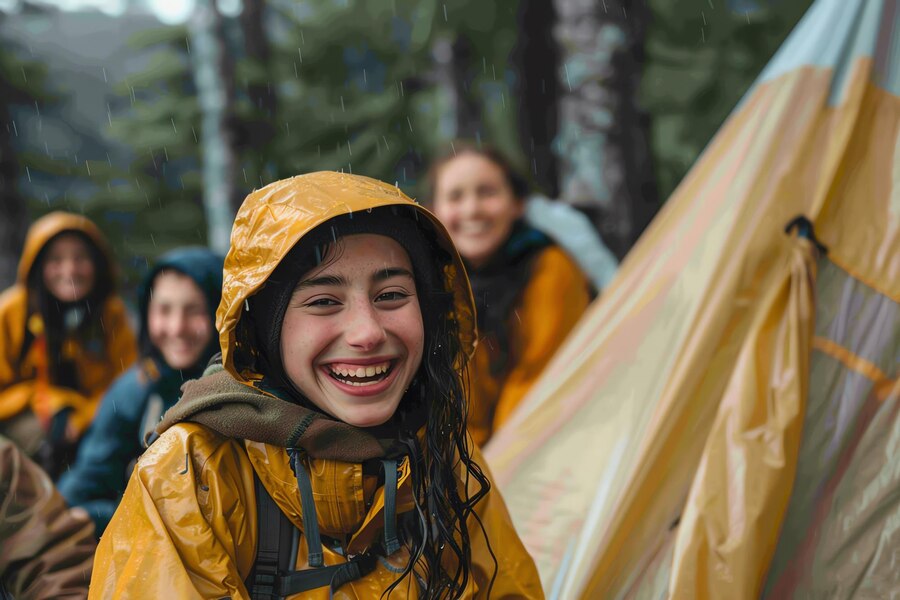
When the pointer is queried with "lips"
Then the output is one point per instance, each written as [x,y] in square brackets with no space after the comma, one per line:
[473,228]
[360,375]
[363,378]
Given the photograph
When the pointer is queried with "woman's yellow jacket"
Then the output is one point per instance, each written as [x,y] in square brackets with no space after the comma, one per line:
[187,526]
[21,385]
[555,297]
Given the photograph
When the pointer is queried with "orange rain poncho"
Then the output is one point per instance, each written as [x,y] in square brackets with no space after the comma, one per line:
[187,526]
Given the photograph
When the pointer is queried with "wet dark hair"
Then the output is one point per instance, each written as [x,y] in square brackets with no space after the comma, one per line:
[517,182]
[53,311]
[435,400]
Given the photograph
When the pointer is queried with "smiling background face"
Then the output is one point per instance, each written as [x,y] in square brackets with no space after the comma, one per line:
[476,203]
[178,320]
[69,272]
[352,335]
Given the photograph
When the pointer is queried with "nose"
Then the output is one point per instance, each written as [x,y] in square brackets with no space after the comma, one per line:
[68,269]
[365,331]
[177,323]
[469,206]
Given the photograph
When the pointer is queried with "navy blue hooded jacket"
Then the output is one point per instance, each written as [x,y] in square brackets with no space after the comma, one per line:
[134,403]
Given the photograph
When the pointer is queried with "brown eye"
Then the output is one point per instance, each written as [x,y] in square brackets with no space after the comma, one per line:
[388,296]
[322,302]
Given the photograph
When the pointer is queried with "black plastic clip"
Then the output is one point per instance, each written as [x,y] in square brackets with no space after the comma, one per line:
[805,229]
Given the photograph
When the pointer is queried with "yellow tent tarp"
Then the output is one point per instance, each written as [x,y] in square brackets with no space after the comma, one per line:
[724,422]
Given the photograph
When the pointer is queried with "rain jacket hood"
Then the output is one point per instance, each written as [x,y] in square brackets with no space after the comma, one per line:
[49,226]
[274,219]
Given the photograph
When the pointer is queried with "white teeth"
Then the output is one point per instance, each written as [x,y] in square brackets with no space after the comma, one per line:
[369,371]
[474,228]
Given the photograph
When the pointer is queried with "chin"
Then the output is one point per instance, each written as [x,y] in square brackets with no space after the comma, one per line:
[180,364]
[369,417]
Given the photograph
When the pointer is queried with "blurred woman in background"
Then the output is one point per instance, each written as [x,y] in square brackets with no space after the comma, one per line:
[64,337]
[529,293]
[177,303]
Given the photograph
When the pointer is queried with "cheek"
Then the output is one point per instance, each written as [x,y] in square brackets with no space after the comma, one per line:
[51,271]
[86,270]
[202,329]
[443,211]
[504,210]
[303,338]
[408,323]
[155,327]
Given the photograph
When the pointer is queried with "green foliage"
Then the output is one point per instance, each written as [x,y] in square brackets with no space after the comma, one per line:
[151,202]
[356,92]
[701,57]
[24,85]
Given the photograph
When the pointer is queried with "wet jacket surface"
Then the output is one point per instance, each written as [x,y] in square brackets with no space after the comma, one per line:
[21,384]
[551,303]
[46,550]
[137,400]
[187,526]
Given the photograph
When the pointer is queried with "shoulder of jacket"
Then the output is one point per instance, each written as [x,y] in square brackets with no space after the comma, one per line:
[115,306]
[12,298]
[553,266]
[553,257]
[131,386]
[182,448]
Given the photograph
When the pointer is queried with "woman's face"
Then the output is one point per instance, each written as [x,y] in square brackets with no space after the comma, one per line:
[178,319]
[352,335]
[68,270]
[475,202]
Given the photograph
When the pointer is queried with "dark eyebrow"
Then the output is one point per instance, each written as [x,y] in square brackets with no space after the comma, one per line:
[323,280]
[388,272]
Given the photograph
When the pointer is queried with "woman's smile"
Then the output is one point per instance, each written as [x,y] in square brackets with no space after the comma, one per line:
[362,379]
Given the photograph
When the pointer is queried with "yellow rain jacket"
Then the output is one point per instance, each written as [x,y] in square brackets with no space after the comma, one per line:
[550,306]
[24,380]
[187,525]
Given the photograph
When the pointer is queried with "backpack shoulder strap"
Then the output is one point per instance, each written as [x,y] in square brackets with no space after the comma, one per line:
[273,576]
[273,546]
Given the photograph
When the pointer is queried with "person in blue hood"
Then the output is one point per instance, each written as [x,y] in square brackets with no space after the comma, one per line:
[177,304]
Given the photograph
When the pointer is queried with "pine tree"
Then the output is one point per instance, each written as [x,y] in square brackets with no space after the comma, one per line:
[22,84]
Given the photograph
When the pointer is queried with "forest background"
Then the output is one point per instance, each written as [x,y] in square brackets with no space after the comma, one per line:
[157,131]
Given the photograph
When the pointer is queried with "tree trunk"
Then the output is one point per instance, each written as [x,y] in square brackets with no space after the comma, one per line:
[261,129]
[14,217]
[452,74]
[603,141]
[536,57]
[214,75]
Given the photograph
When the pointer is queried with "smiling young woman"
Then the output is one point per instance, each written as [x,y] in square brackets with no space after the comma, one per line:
[345,326]
[529,293]
[177,302]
